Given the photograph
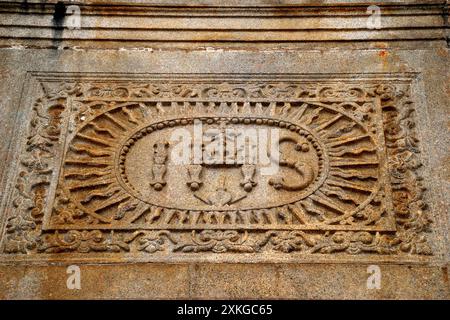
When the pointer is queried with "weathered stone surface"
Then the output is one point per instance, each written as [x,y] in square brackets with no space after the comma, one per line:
[224,281]
[89,176]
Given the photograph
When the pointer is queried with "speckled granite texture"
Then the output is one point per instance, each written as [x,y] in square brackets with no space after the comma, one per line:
[87,173]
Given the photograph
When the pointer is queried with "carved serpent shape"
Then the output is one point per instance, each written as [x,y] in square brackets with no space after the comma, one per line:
[304,169]
[301,167]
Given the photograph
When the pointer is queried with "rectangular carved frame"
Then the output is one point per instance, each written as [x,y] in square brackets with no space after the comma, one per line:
[53,98]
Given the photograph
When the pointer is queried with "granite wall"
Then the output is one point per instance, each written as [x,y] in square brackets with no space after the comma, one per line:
[93,91]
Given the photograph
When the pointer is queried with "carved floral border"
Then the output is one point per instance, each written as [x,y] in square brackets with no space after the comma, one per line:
[24,234]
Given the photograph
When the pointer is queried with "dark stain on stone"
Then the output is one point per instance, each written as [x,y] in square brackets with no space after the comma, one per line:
[24,5]
[59,16]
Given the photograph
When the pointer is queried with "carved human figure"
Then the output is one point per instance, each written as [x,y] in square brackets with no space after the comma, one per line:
[159,168]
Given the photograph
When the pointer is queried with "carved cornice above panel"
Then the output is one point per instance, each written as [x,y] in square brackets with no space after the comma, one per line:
[292,24]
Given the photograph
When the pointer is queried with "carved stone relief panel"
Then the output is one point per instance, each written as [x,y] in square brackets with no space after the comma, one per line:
[98,171]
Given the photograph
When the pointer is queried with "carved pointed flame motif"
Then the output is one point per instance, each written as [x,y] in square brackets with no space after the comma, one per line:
[122,165]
